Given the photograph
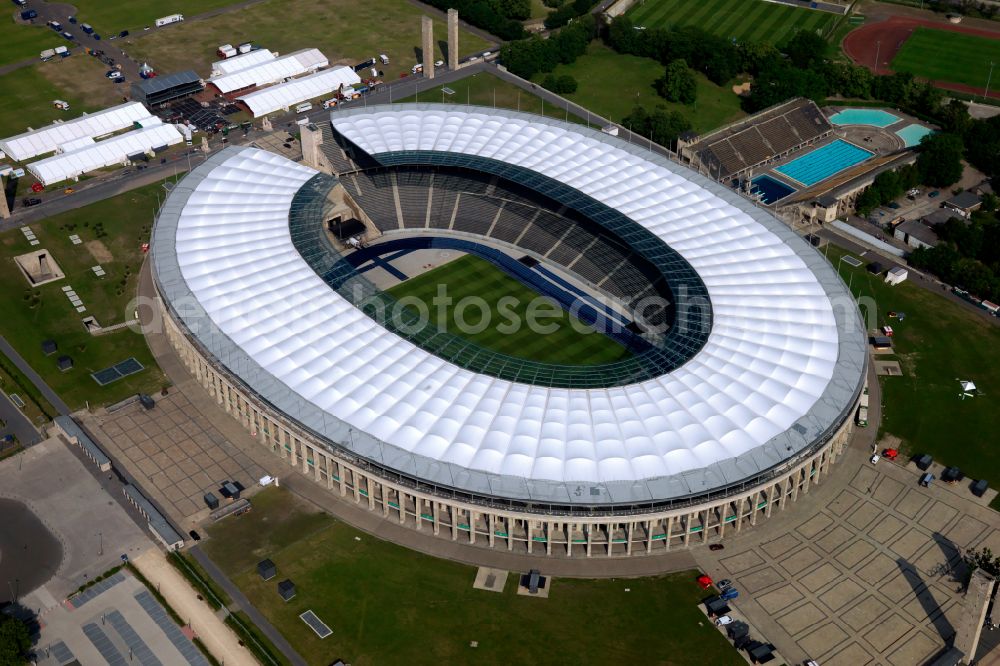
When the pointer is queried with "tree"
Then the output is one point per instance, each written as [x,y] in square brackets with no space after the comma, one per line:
[14,641]
[563,84]
[779,81]
[677,84]
[519,10]
[661,126]
[940,159]
[806,49]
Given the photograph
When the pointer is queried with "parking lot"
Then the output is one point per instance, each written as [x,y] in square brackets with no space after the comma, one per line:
[867,575]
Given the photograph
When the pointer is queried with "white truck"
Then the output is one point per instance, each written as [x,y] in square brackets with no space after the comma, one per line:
[862,419]
[167,20]
[47,54]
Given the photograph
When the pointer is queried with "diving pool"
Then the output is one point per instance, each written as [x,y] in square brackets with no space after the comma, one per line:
[770,189]
[912,134]
[873,117]
[823,162]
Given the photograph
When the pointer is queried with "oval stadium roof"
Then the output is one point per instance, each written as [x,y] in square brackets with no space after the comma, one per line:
[781,368]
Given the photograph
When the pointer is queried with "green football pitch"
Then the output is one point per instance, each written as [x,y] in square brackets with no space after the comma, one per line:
[743,20]
[942,55]
[505,301]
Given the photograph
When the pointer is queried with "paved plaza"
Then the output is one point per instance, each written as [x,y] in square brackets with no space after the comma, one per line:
[175,452]
[92,528]
[117,621]
[863,571]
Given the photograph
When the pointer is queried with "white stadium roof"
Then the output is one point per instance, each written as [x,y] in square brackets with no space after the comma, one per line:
[781,367]
[271,71]
[105,153]
[47,139]
[241,62]
[283,95]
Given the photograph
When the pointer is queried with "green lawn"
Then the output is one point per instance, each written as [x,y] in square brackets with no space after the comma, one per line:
[470,276]
[345,31]
[938,343]
[611,84]
[744,20]
[31,315]
[27,101]
[19,41]
[389,605]
[109,17]
[940,55]
[485,89]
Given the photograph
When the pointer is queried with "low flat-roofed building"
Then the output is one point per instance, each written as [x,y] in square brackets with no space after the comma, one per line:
[916,234]
[167,88]
[963,203]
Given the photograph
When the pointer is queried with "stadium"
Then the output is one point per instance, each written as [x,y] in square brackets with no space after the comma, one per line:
[727,363]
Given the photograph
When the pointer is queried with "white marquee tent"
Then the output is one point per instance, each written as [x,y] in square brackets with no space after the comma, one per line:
[49,138]
[271,71]
[241,62]
[102,154]
[284,95]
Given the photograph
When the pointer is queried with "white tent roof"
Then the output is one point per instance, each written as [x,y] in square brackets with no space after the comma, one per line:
[281,96]
[761,383]
[103,153]
[271,71]
[47,139]
[241,62]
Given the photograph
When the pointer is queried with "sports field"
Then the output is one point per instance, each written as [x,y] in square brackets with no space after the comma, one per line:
[389,605]
[112,16]
[112,232]
[472,277]
[938,343]
[743,20]
[942,55]
[19,41]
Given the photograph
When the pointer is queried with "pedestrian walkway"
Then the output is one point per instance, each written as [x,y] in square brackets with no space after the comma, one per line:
[213,632]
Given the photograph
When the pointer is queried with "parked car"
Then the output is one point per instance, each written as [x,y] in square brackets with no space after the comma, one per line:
[893,205]
[716,546]
[28,202]
[724,584]
[724,620]
[146,401]
[194,535]
[123,33]
[730,593]
[112,74]
[934,195]
[874,459]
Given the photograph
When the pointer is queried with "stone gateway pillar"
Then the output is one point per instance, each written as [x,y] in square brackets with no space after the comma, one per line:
[452,39]
[427,33]
[4,208]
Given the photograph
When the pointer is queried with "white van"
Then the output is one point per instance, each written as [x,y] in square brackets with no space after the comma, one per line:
[303,107]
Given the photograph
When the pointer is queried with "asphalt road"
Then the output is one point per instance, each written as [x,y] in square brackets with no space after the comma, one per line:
[17,423]
[33,376]
[29,553]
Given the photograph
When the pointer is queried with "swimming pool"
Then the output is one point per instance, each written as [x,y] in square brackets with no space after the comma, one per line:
[912,134]
[770,189]
[823,162]
[873,117]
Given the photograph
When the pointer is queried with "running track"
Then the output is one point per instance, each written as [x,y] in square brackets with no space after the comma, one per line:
[886,39]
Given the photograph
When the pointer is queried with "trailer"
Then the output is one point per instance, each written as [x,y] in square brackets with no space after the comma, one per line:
[245,47]
[167,20]
[48,54]
[62,52]
[226,51]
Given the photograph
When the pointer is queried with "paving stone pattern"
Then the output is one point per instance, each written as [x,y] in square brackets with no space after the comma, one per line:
[176,454]
[869,578]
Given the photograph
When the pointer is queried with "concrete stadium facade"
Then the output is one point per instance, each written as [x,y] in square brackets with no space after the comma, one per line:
[212,321]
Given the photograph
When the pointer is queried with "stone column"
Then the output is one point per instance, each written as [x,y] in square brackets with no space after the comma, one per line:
[401,501]
[590,539]
[5,210]
[427,42]
[670,527]
[453,39]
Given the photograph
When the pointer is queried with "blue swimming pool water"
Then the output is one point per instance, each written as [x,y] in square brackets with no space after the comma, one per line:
[823,162]
[770,189]
[873,117]
[912,134]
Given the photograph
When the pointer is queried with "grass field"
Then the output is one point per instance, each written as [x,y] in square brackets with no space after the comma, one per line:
[938,343]
[940,55]
[19,41]
[470,276]
[389,605]
[110,18]
[345,31]
[31,315]
[743,20]
[611,84]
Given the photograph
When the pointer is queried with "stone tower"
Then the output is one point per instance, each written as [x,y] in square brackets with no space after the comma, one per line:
[427,32]
[453,39]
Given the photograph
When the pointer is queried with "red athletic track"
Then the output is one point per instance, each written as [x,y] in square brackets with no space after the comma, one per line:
[860,45]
